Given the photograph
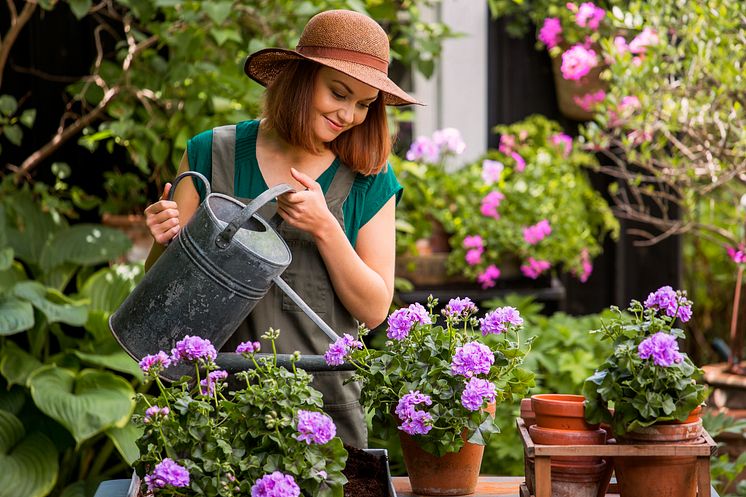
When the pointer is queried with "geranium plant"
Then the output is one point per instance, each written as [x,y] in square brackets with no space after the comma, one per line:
[529,204]
[261,433]
[437,374]
[645,379]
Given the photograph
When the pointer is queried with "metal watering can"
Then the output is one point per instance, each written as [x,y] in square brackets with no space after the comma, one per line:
[209,278]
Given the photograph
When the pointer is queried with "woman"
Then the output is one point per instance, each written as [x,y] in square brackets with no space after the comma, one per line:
[324,132]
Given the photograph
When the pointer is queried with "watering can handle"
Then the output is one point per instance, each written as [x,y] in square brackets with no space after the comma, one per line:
[309,312]
[184,175]
[225,236]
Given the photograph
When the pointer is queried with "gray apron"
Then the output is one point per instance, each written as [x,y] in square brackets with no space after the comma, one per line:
[307,275]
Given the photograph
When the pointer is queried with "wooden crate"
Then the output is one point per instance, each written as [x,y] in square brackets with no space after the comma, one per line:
[542,455]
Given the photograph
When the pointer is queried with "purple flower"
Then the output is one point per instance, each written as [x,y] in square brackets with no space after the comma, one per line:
[275,485]
[550,32]
[577,62]
[401,321]
[662,347]
[337,352]
[477,390]
[248,347]
[424,149]
[737,255]
[193,349]
[314,427]
[155,363]
[675,304]
[449,139]
[497,321]
[491,171]
[207,386]
[155,412]
[459,307]
[414,422]
[167,472]
[472,359]
[487,277]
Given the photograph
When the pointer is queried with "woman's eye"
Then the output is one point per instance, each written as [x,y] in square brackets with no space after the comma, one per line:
[338,96]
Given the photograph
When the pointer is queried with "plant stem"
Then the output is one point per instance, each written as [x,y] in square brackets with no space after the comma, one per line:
[735,339]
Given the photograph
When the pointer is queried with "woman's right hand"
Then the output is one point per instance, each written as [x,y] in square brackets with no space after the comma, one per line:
[162,218]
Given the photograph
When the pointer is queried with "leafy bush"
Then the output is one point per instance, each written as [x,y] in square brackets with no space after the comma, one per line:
[66,387]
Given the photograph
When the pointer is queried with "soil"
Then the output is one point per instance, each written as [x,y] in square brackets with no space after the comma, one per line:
[366,474]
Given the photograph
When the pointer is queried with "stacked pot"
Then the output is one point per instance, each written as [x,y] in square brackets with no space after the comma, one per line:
[560,420]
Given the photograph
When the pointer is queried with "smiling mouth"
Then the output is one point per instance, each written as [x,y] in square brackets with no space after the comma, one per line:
[334,125]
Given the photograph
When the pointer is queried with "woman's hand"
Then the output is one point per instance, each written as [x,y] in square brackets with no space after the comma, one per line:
[162,218]
[307,209]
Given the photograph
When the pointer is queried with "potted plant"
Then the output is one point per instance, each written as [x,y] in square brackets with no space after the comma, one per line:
[523,209]
[652,388]
[436,383]
[265,437]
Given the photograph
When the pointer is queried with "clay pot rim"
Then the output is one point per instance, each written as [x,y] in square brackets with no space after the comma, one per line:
[558,398]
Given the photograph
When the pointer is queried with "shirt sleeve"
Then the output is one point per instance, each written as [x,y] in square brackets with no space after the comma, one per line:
[381,188]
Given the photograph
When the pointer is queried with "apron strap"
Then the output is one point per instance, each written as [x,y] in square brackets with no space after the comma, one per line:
[224,159]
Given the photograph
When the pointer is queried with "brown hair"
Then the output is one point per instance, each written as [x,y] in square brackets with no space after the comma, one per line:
[363,148]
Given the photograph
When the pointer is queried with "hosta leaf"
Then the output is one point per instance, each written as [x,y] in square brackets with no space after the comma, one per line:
[84,244]
[16,315]
[125,440]
[118,361]
[12,399]
[86,403]
[28,461]
[56,306]
[6,257]
[31,228]
[107,289]
[16,364]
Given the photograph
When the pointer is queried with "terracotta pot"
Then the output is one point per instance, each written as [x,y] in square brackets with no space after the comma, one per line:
[560,411]
[455,473]
[659,476]
[693,417]
[527,413]
[548,436]
[579,481]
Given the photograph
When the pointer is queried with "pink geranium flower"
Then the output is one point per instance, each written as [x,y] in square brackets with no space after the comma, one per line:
[520,162]
[474,256]
[537,232]
[490,203]
[588,101]
[550,33]
[533,268]
[589,16]
[587,266]
[642,41]
[577,62]
[491,171]
[487,277]
[473,241]
[564,141]
[737,255]
[507,142]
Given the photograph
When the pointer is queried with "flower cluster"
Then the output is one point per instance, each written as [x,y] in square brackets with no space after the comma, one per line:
[270,432]
[437,373]
[340,348]
[737,255]
[507,209]
[646,377]
[432,149]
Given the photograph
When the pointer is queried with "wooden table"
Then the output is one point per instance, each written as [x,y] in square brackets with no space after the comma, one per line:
[488,486]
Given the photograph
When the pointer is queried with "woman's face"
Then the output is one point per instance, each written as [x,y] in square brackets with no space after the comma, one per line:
[339,103]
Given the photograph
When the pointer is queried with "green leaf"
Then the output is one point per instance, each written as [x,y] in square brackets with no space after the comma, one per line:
[28,117]
[107,288]
[76,489]
[16,365]
[223,35]
[6,257]
[8,105]
[218,11]
[125,440]
[14,134]
[16,315]
[56,306]
[12,399]
[85,244]
[28,461]
[119,361]
[80,7]
[86,403]
[31,228]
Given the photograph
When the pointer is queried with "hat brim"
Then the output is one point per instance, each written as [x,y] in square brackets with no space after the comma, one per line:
[265,65]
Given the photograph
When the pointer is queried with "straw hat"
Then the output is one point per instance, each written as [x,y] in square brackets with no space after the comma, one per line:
[347,41]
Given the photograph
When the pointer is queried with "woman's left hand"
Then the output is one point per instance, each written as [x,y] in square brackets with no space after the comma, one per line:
[306,209]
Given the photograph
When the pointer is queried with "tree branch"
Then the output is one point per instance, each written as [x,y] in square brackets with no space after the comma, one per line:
[17,22]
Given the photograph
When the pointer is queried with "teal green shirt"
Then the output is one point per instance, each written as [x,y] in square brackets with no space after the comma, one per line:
[367,195]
